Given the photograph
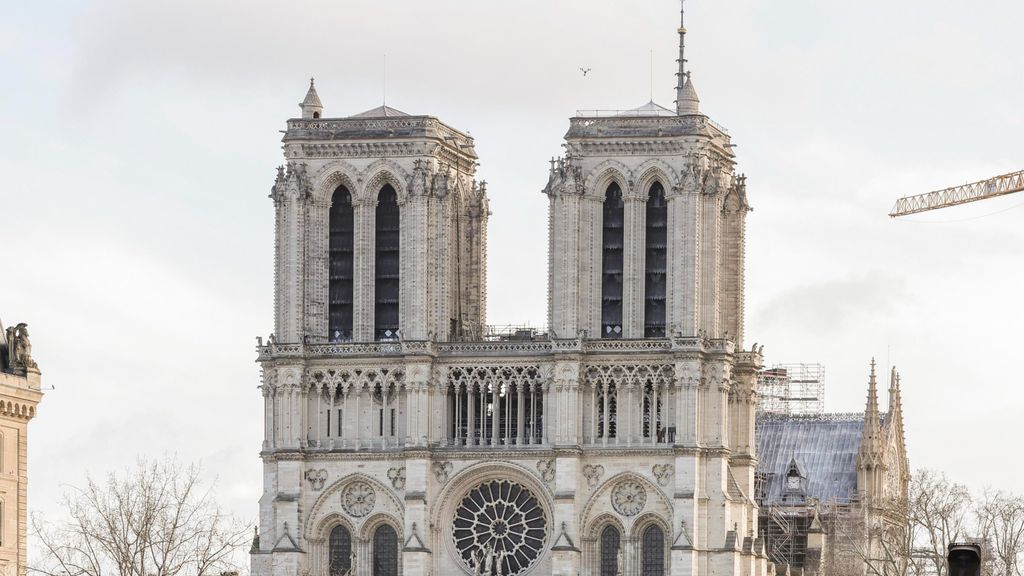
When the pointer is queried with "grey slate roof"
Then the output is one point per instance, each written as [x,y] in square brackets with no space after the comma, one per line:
[824,447]
[381,112]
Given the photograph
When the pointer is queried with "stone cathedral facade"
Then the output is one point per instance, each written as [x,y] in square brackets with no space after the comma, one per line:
[405,438]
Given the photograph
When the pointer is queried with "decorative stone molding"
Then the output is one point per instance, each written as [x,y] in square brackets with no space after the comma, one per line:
[358,499]
[547,470]
[316,479]
[629,497]
[442,470]
[397,477]
[593,474]
[663,472]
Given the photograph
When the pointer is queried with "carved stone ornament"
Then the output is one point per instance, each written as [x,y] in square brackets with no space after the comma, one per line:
[629,497]
[546,469]
[441,471]
[593,474]
[316,479]
[397,476]
[358,499]
[663,472]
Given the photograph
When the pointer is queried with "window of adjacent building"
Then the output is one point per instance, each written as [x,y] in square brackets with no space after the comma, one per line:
[609,552]
[385,551]
[611,263]
[341,266]
[656,262]
[339,552]
[653,551]
[387,266]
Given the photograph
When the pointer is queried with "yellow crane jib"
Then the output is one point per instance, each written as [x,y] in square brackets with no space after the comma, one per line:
[998,186]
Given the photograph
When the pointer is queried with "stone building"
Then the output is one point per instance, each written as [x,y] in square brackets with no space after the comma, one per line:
[832,488]
[19,395]
[404,437]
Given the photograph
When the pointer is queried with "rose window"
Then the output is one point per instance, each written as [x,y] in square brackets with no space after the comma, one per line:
[499,528]
[358,499]
[629,497]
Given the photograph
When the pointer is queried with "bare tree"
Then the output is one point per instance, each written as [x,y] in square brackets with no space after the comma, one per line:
[1000,518]
[938,512]
[876,543]
[154,520]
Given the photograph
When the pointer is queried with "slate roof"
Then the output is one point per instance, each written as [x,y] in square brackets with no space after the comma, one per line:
[381,112]
[824,446]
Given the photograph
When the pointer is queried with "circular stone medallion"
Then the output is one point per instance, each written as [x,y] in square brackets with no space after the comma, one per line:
[358,499]
[629,497]
[499,528]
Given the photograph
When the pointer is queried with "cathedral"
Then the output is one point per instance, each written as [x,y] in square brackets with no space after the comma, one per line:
[403,437]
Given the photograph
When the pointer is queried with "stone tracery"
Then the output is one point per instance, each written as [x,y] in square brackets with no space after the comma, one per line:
[500,528]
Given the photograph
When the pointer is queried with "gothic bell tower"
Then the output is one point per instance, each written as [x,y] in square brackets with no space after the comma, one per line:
[380,229]
[647,223]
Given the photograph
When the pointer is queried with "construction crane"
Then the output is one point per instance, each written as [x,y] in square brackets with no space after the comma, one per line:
[998,186]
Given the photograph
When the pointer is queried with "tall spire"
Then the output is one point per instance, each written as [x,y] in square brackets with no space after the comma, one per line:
[872,422]
[686,96]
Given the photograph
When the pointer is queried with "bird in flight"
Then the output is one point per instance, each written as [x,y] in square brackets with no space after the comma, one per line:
[584,70]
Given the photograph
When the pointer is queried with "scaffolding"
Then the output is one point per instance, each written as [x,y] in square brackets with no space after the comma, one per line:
[792,389]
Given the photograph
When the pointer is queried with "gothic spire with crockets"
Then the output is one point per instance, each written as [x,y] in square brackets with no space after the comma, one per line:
[686,96]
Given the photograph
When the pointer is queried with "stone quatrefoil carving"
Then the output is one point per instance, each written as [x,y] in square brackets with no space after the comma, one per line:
[358,499]
[397,476]
[629,497]
[316,479]
[441,471]
[546,469]
[593,474]
[663,472]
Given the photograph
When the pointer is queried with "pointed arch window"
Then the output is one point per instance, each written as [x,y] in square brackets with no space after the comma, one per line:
[653,551]
[339,552]
[656,262]
[340,247]
[387,266]
[611,263]
[609,551]
[385,551]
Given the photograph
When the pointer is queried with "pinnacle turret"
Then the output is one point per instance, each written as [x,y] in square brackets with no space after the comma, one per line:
[311,106]
[870,440]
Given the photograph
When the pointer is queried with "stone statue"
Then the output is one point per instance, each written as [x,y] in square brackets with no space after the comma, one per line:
[19,347]
[618,562]
[488,561]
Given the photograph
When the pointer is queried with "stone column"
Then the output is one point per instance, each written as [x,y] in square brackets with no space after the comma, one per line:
[710,247]
[416,555]
[565,213]
[683,255]
[633,266]
[364,262]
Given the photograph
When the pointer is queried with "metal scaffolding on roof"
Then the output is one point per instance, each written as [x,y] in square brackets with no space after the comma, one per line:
[792,389]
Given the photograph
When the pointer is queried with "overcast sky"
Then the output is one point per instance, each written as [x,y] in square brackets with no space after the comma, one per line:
[139,141]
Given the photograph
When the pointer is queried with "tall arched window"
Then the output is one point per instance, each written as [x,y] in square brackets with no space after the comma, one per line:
[341,269]
[385,551]
[609,552]
[653,551]
[386,277]
[611,260]
[339,559]
[657,251]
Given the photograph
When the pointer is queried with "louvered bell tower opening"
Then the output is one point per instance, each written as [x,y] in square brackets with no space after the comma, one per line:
[342,231]
[611,271]
[656,263]
[387,266]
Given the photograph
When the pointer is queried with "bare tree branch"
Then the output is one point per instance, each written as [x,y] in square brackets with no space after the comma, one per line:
[153,520]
